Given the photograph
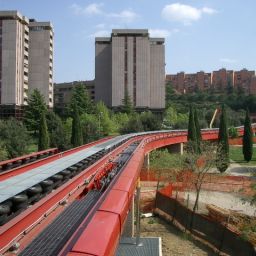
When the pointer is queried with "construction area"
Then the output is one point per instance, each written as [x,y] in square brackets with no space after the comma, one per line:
[224,222]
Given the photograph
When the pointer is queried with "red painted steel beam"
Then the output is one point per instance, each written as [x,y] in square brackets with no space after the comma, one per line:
[11,173]
[91,240]
[14,160]
[15,228]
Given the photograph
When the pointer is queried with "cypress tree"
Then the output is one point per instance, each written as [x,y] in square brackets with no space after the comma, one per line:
[198,130]
[192,136]
[76,137]
[247,138]
[43,141]
[223,146]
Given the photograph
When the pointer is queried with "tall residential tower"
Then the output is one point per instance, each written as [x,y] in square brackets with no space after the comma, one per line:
[25,61]
[41,59]
[130,62]
[14,50]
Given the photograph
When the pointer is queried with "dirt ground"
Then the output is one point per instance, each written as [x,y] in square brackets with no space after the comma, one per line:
[174,242]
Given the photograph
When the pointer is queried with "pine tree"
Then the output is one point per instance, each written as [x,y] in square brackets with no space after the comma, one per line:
[43,140]
[127,106]
[81,99]
[36,105]
[222,161]
[76,137]
[247,138]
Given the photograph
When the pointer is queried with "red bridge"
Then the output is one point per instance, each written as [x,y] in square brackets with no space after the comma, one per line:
[76,202]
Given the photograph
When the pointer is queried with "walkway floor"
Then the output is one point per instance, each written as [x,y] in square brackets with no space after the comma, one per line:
[149,246]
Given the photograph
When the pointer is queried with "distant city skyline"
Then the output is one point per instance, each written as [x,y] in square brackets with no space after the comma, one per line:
[200,35]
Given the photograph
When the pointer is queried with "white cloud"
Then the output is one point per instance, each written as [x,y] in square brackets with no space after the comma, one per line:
[91,9]
[101,26]
[184,13]
[125,15]
[100,33]
[162,32]
[228,60]
[208,10]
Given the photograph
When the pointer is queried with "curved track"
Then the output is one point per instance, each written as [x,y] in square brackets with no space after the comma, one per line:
[110,168]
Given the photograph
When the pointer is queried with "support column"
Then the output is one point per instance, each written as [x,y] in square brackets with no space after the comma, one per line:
[128,230]
[146,163]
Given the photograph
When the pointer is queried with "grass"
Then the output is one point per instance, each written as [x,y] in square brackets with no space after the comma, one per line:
[32,148]
[236,154]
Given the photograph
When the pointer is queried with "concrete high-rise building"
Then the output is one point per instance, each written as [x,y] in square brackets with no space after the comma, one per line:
[25,61]
[130,62]
[14,50]
[41,59]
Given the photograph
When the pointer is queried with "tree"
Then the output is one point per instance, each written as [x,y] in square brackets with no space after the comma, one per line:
[149,121]
[36,105]
[223,146]
[14,138]
[119,120]
[43,140]
[200,163]
[133,125]
[105,124]
[247,138]
[127,106]
[192,135]
[81,99]
[198,130]
[76,137]
[89,124]
[58,136]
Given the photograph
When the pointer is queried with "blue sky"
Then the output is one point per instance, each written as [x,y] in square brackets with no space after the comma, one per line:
[200,35]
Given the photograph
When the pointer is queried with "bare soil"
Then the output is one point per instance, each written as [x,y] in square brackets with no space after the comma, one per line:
[174,242]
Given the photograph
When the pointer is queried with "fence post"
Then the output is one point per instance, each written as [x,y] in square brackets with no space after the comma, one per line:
[138,243]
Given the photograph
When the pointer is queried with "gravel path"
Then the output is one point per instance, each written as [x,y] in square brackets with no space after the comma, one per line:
[224,200]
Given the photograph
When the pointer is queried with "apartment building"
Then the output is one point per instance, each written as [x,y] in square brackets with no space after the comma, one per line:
[22,63]
[217,80]
[222,78]
[187,83]
[14,52]
[130,62]
[63,92]
[41,59]
[244,80]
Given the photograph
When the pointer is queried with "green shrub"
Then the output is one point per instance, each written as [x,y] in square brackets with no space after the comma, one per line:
[232,132]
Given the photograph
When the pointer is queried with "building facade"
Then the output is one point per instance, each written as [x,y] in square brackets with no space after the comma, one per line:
[130,62]
[19,65]
[63,92]
[187,83]
[41,59]
[14,50]
[217,80]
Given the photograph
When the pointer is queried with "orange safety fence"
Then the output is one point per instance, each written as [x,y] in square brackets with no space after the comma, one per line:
[238,141]
[212,181]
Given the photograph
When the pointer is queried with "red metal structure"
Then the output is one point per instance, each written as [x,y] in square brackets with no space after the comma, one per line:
[100,235]
[18,161]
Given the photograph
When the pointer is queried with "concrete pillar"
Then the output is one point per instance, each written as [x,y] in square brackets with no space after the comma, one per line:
[128,230]
[146,162]
[176,148]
